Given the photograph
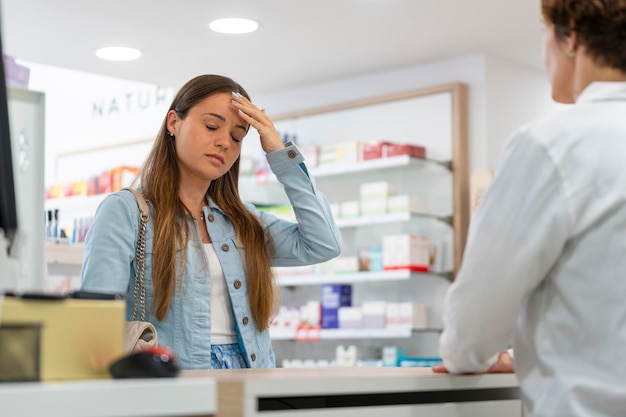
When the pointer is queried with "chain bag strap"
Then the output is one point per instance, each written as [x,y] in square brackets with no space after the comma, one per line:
[139,333]
[140,257]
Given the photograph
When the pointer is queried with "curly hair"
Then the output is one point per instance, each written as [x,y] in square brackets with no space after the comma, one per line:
[600,27]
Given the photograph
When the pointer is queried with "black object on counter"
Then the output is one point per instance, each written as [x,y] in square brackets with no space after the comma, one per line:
[157,362]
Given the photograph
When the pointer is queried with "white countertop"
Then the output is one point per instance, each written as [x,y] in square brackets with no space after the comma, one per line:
[110,398]
[361,392]
[350,380]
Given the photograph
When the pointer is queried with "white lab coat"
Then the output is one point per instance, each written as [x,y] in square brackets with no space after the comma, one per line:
[545,264]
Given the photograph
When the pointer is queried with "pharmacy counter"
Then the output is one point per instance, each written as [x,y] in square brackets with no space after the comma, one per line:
[188,397]
[307,392]
[362,392]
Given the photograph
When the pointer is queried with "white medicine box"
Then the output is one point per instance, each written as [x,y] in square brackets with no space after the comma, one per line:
[406,252]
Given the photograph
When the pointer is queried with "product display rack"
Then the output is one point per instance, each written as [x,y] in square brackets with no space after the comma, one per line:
[447,167]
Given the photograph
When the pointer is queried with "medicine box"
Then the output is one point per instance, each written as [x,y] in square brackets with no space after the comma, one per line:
[378,190]
[372,150]
[334,296]
[349,209]
[350,318]
[394,149]
[406,204]
[346,153]
[409,252]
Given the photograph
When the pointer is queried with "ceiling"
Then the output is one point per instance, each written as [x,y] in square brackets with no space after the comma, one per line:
[299,42]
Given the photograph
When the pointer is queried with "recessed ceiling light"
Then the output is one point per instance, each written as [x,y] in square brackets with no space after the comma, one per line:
[118,53]
[233,25]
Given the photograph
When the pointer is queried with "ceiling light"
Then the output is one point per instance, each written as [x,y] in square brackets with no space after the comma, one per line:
[118,53]
[233,25]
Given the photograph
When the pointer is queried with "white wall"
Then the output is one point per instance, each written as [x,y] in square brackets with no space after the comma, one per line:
[469,70]
[87,111]
[514,95]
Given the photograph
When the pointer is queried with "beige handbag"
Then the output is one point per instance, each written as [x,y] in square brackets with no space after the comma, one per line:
[140,334]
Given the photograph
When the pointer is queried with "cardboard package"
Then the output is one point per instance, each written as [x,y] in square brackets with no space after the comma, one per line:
[79,338]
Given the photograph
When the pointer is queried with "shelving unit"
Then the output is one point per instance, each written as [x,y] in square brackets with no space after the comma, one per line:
[407,117]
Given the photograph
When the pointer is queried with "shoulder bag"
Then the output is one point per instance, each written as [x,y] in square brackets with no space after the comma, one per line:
[140,334]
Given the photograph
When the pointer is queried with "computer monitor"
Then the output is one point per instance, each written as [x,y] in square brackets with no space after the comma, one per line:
[22,148]
[8,207]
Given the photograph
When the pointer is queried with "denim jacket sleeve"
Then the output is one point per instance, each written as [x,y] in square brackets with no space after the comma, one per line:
[315,237]
[108,264]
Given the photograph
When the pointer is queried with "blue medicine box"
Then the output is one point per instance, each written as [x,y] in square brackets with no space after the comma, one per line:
[332,297]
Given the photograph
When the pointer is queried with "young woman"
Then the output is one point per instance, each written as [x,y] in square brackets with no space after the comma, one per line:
[545,262]
[210,289]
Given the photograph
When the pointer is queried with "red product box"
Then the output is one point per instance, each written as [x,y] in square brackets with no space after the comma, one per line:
[92,185]
[394,149]
[123,176]
[372,150]
[104,182]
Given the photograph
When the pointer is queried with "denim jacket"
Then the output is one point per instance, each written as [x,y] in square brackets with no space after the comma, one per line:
[109,262]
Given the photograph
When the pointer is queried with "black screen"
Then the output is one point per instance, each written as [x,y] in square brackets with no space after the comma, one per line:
[8,212]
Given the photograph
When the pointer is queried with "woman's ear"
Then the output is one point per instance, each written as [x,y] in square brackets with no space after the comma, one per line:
[571,43]
[172,121]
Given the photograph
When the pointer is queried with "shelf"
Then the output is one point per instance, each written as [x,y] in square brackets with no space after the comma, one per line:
[333,334]
[329,170]
[74,201]
[372,276]
[388,218]
[64,254]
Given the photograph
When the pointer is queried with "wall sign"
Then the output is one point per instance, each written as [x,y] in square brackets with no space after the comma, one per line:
[132,102]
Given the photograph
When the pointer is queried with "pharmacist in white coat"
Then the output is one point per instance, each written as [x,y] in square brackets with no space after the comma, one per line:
[544,269]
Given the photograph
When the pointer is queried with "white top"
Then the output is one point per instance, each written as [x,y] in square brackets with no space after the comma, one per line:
[222,318]
[545,263]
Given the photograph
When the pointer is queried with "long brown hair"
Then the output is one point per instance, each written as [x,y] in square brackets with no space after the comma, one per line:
[160,179]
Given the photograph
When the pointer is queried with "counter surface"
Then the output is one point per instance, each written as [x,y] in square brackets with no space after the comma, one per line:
[110,398]
[361,392]
[304,392]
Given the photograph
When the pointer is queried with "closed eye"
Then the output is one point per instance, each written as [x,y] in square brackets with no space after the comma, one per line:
[235,139]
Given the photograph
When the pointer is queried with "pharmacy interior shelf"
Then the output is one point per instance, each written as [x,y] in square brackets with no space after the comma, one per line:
[387,218]
[64,253]
[75,202]
[329,170]
[346,278]
[326,170]
[332,334]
